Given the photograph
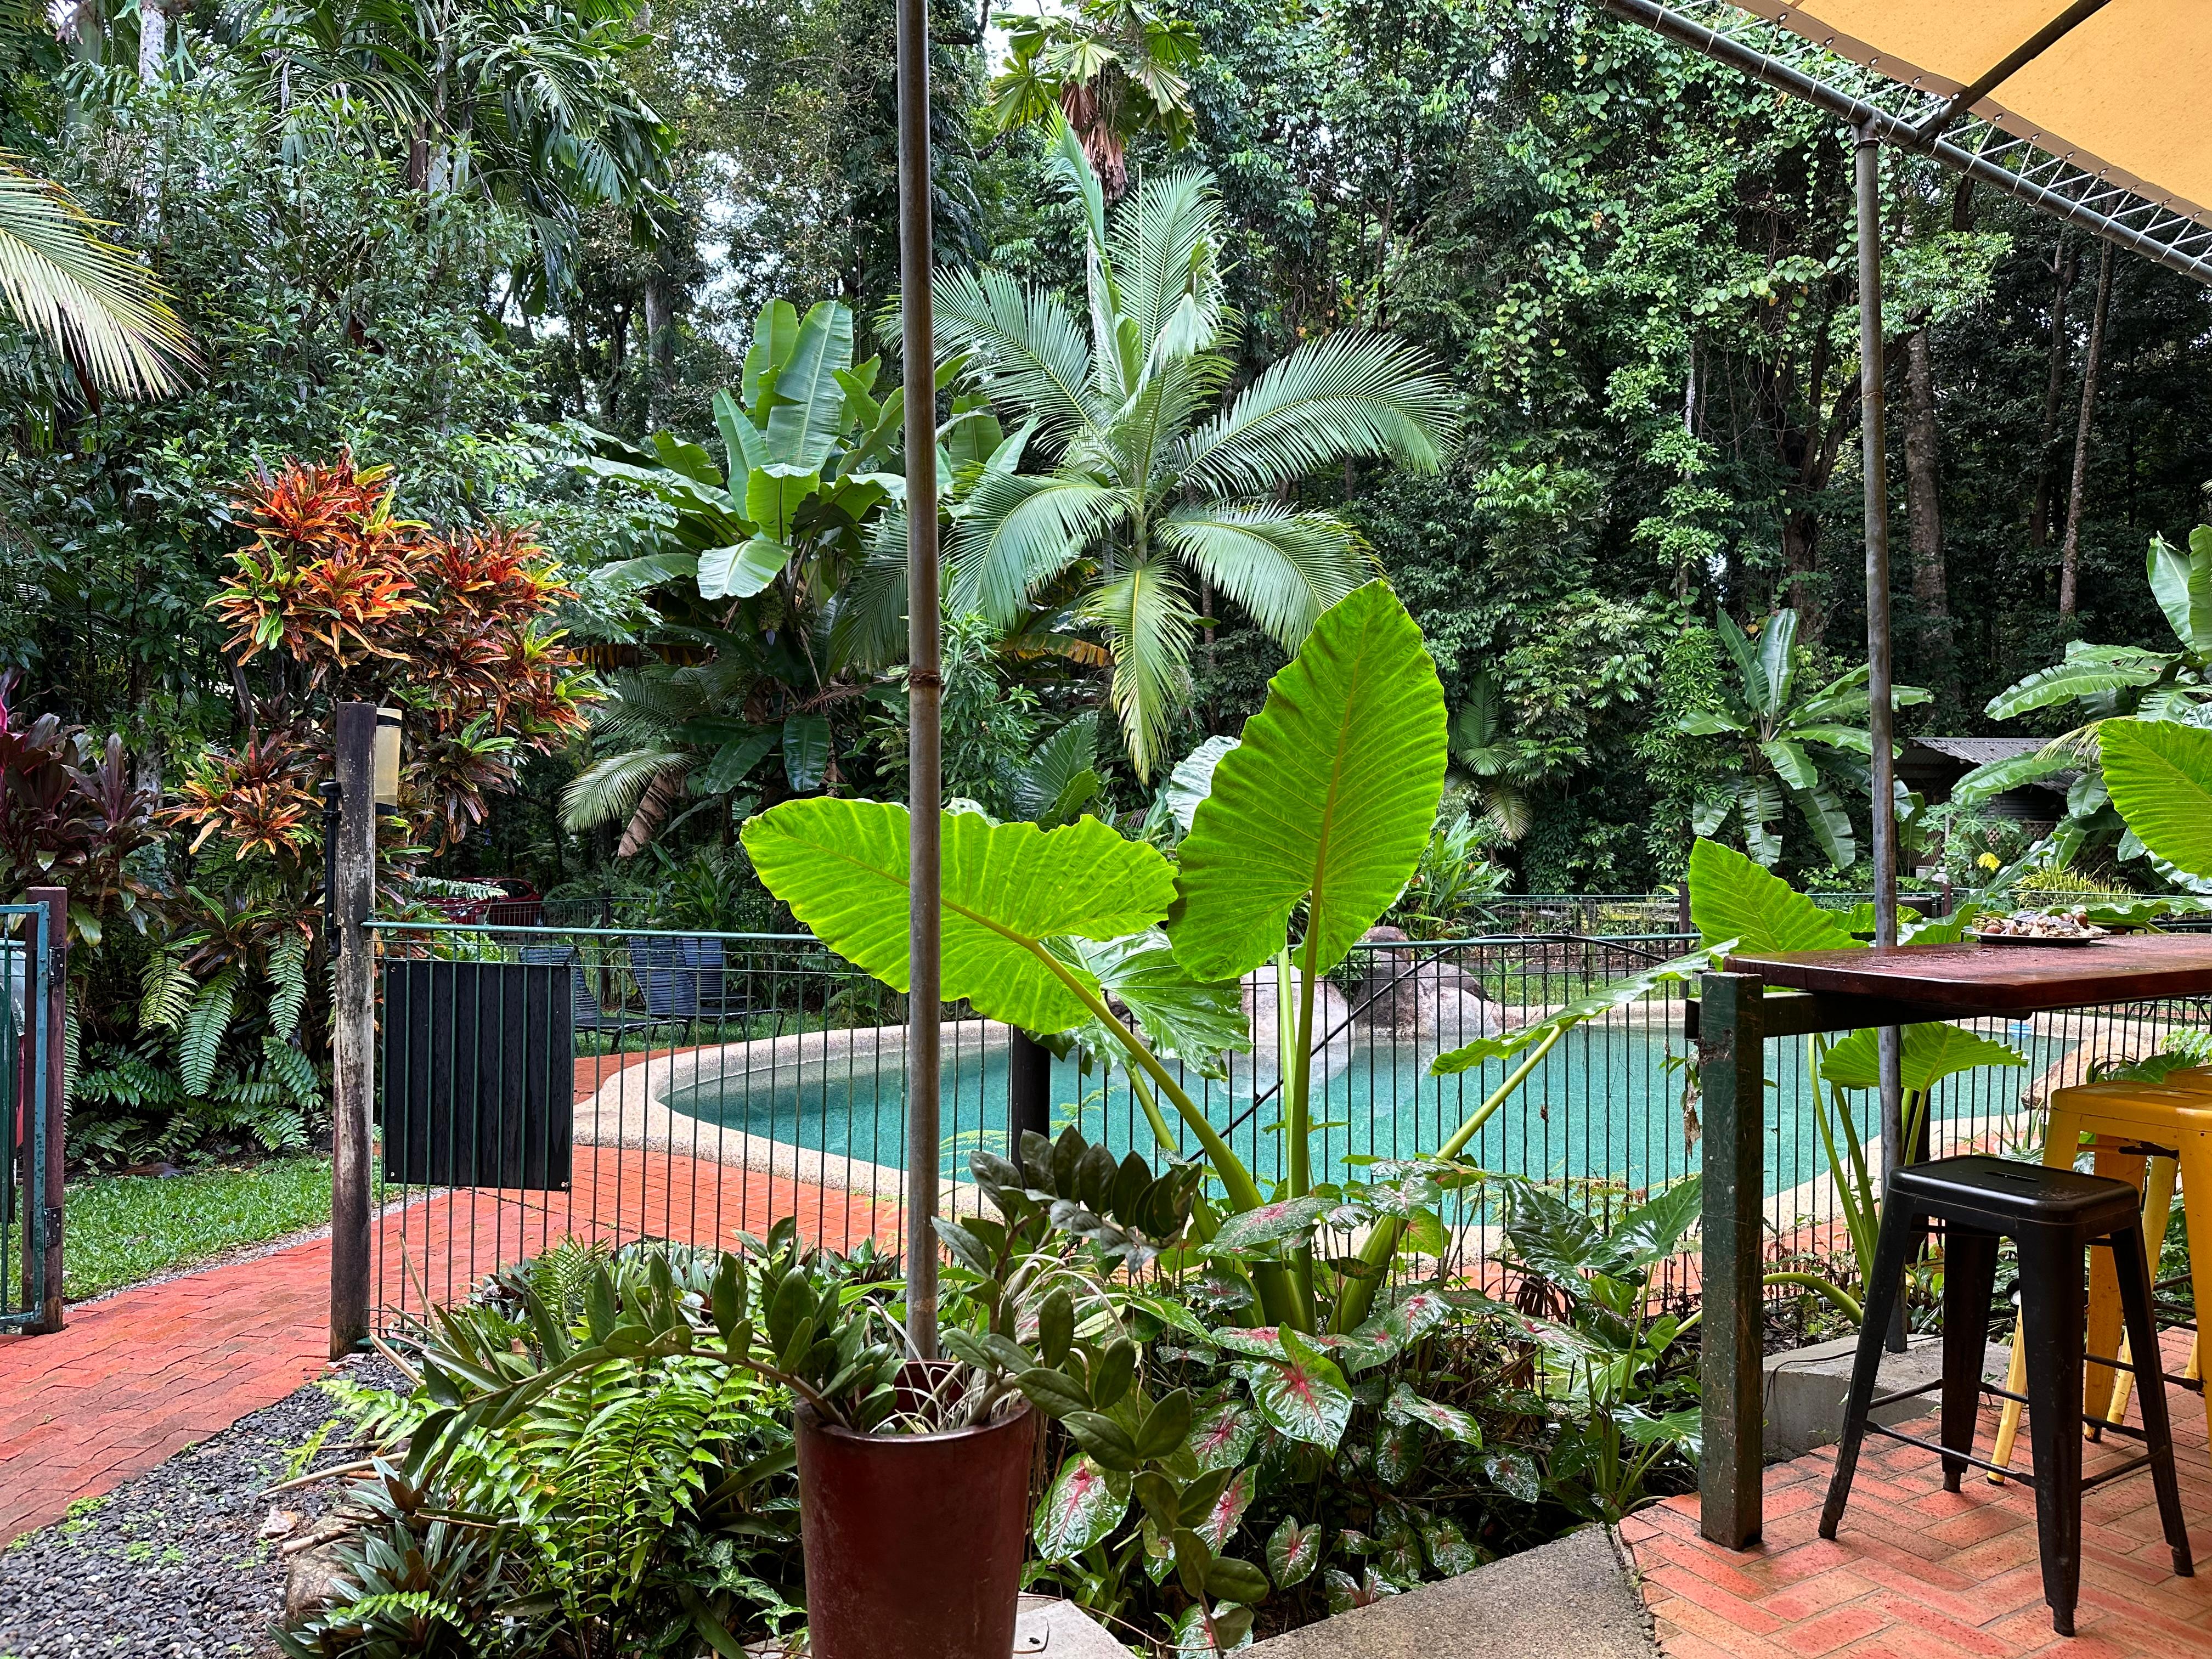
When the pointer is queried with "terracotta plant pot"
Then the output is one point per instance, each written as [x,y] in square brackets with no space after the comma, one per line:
[913,1541]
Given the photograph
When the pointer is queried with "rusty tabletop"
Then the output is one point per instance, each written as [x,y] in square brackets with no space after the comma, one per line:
[1957,982]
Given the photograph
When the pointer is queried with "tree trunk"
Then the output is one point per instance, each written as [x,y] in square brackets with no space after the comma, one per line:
[2062,264]
[2069,552]
[661,349]
[1800,560]
[153,40]
[1925,520]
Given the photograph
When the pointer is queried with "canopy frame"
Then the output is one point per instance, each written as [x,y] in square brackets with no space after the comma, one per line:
[1879,110]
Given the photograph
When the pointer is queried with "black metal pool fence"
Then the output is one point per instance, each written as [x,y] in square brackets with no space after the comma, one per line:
[625,1083]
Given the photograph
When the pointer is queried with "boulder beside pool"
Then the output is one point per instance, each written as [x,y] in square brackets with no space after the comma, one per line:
[1416,993]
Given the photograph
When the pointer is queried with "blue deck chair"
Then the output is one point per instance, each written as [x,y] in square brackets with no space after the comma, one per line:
[584,1007]
[683,978]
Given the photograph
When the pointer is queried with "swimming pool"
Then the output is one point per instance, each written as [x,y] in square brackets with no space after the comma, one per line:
[1608,1103]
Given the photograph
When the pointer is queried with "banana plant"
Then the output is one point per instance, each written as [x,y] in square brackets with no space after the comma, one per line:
[787,562]
[1795,749]
[2109,682]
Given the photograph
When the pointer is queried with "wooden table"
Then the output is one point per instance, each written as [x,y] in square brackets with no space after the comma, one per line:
[1731,1019]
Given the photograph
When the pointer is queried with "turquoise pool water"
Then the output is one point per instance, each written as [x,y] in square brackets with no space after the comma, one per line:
[1606,1103]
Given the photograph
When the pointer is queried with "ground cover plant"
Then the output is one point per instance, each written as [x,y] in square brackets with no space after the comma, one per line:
[125,1229]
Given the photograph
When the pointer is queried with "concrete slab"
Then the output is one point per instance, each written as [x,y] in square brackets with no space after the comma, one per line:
[1805,1390]
[1571,1599]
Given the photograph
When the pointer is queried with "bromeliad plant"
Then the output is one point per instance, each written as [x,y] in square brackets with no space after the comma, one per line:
[1321,815]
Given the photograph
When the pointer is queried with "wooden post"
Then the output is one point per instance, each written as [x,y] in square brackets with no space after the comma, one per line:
[1732,1065]
[48,1138]
[351,864]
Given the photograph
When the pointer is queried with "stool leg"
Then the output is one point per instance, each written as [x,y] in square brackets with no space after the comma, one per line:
[1899,1226]
[2062,1145]
[2103,1330]
[2197,1205]
[2134,1276]
[2158,1208]
[2051,1314]
[1969,1269]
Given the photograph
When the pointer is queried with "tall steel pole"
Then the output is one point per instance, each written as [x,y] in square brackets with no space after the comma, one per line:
[1881,710]
[925,684]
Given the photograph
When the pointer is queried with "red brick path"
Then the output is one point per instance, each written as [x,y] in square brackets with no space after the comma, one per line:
[1917,1572]
[138,1376]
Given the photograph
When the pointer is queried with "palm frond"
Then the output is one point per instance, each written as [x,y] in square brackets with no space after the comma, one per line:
[1284,566]
[1016,532]
[1163,248]
[1146,612]
[1026,342]
[609,789]
[867,613]
[1349,394]
[95,304]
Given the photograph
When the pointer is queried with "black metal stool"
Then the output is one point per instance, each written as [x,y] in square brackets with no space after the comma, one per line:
[2053,1216]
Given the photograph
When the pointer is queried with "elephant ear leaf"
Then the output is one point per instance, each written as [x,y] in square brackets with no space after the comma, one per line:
[841,867]
[2182,584]
[1928,1054]
[1329,798]
[1731,897]
[2159,777]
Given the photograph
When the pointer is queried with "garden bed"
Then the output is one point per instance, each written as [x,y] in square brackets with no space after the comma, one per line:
[181,1561]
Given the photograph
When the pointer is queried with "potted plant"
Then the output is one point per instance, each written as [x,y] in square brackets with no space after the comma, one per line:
[914,1475]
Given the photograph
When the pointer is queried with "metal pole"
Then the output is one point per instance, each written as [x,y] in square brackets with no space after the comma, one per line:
[1732,1069]
[925,686]
[47,1135]
[351,863]
[1881,710]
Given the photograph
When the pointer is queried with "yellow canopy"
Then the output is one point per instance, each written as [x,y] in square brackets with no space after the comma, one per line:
[2120,93]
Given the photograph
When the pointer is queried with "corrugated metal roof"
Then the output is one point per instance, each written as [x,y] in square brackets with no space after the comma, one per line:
[1980,752]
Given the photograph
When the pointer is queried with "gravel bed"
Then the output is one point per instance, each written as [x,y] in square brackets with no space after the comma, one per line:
[171,1564]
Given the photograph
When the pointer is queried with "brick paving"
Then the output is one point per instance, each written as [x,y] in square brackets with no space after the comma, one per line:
[1916,1573]
[137,1376]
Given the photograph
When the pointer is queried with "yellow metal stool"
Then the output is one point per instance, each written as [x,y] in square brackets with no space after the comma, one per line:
[2147,1135]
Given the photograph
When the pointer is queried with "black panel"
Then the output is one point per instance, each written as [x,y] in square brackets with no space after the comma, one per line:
[477,1079]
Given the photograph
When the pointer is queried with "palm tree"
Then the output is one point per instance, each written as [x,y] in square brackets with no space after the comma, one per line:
[94,304]
[1144,486]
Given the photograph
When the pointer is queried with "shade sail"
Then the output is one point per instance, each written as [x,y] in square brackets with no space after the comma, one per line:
[2120,93]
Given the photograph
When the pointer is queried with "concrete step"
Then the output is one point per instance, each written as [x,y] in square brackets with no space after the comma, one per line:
[1571,1599]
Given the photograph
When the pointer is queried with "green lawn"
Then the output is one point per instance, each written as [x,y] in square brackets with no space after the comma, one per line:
[121,1229]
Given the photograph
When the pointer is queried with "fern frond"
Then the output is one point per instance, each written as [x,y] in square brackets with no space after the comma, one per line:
[287,979]
[166,991]
[199,1043]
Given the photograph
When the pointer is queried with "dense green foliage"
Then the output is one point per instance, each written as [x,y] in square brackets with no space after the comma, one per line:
[447,237]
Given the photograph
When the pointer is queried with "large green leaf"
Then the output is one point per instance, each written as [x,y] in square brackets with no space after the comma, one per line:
[805,750]
[2159,777]
[1192,1020]
[1731,897]
[774,495]
[743,570]
[810,409]
[1329,798]
[1994,777]
[1930,1053]
[841,867]
[1777,659]
[1192,781]
[2083,674]
[776,334]
[1757,695]
[2182,584]
[1082,1507]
